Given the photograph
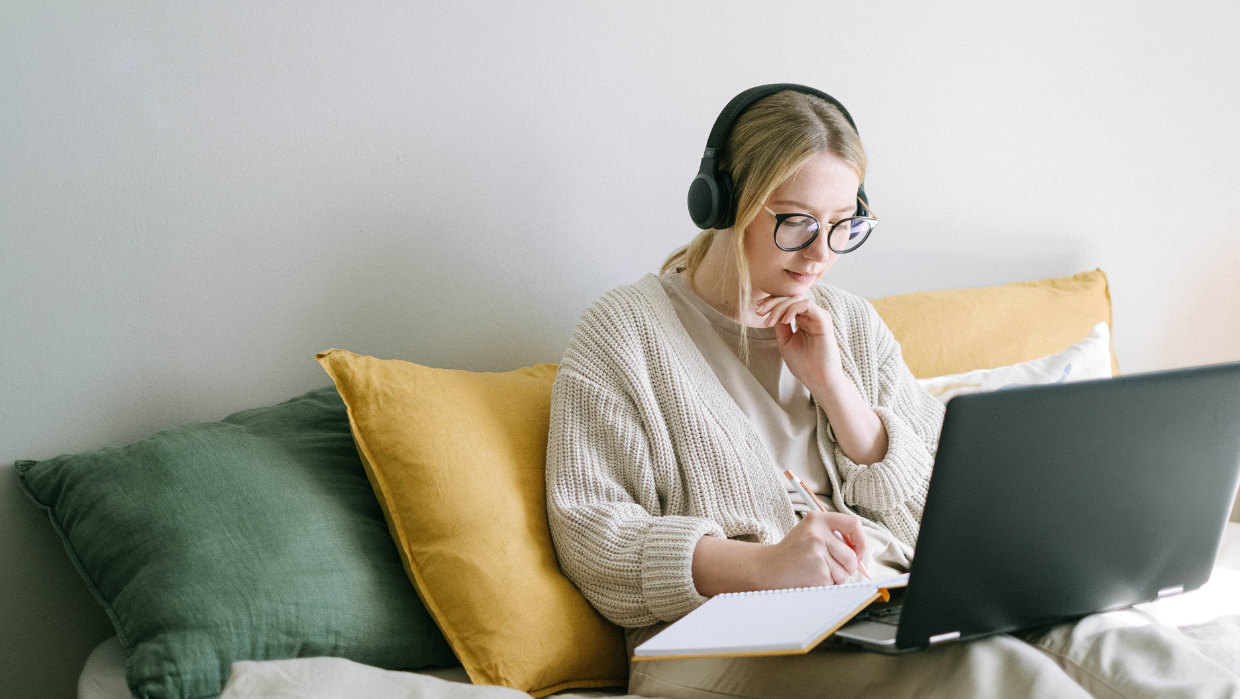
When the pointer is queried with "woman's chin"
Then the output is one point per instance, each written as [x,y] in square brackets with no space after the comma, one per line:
[785,288]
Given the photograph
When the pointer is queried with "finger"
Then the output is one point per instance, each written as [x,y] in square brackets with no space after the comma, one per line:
[767,300]
[817,320]
[838,574]
[776,312]
[816,311]
[778,307]
[763,309]
[783,333]
[856,543]
[780,311]
[792,310]
[836,569]
[765,305]
[854,533]
[842,553]
[813,318]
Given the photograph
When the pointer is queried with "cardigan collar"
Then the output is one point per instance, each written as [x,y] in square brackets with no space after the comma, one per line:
[720,402]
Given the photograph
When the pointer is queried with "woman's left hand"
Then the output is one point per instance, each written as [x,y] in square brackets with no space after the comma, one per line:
[811,353]
[813,356]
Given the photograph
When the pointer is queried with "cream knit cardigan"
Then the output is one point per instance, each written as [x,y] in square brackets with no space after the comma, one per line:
[647,452]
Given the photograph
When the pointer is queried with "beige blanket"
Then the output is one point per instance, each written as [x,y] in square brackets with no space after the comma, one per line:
[1209,616]
[337,678]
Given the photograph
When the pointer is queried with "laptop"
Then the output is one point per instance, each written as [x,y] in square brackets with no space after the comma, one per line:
[1049,503]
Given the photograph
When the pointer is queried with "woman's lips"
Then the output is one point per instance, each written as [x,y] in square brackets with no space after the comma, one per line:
[800,278]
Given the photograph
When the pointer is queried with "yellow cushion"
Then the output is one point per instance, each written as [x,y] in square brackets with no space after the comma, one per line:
[457,460]
[959,330]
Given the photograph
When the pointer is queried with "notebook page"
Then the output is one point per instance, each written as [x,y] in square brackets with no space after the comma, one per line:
[771,621]
[893,581]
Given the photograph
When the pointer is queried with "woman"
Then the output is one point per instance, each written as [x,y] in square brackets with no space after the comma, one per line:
[682,398]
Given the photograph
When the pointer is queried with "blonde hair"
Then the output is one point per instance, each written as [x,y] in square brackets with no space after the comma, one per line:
[770,142]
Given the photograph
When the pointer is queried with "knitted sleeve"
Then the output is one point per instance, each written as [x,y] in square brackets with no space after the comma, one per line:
[632,562]
[891,491]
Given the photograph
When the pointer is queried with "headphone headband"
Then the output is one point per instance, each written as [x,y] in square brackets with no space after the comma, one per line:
[727,118]
[712,203]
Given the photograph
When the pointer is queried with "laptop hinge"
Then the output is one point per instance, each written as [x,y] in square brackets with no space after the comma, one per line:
[944,637]
[1168,591]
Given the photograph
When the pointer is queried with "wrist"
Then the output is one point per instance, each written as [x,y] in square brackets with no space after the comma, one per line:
[724,565]
[827,381]
[761,564]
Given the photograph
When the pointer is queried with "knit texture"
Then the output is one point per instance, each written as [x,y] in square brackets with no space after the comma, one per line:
[647,452]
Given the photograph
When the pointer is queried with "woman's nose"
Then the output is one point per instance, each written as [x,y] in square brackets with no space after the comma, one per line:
[817,251]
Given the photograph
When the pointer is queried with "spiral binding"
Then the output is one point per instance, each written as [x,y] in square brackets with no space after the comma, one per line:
[751,593]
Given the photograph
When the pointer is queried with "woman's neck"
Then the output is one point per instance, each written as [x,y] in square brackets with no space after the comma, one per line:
[715,282]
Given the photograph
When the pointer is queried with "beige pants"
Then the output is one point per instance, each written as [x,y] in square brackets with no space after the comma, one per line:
[1116,654]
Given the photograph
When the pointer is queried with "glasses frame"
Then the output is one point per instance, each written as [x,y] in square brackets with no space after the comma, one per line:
[780,218]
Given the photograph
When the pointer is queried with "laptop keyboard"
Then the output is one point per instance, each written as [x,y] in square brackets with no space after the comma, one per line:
[889,616]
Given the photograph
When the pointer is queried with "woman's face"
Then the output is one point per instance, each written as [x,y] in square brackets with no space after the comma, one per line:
[826,188]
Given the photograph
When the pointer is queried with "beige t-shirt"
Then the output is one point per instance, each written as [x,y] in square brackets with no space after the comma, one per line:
[776,402]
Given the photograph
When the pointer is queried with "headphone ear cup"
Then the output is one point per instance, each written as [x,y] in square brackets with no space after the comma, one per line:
[727,201]
[704,201]
[861,210]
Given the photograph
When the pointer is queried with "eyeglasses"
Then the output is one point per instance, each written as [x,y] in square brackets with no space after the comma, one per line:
[798,231]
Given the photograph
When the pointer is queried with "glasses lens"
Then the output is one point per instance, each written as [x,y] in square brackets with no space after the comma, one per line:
[795,232]
[849,234]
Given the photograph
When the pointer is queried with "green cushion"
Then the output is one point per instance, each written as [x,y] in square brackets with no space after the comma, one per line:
[254,538]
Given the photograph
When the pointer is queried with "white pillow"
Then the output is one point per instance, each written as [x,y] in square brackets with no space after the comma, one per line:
[1088,359]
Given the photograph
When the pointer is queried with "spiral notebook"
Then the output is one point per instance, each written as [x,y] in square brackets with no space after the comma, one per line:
[768,622]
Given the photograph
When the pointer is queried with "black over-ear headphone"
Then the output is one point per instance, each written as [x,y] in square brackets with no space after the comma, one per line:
[712,201]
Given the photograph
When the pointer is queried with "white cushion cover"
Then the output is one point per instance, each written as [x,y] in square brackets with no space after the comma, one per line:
[1088,359]
[103,676]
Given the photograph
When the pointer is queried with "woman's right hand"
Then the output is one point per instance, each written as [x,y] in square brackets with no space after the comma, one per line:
[811,554]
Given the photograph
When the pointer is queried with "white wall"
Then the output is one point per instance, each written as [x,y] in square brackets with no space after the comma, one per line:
[197,197]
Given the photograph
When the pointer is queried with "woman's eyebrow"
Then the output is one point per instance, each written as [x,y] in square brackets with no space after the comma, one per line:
[803,205]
